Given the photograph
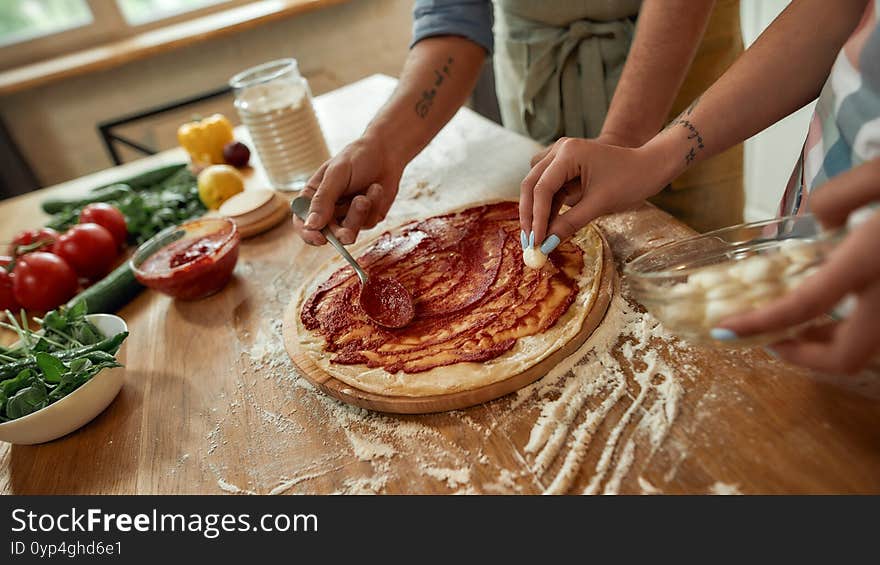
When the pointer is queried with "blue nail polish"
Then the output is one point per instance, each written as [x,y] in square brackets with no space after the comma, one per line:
[723,334]
[549,244]
[531,239]
[524,241]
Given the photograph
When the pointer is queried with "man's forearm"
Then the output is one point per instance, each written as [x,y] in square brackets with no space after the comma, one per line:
[667,37]
[783,71]
[436,80]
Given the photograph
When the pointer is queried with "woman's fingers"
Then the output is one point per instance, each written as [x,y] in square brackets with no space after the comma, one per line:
[847,192]
[852,344]
[566,225]
[552,180]
[848,269]
[526,192]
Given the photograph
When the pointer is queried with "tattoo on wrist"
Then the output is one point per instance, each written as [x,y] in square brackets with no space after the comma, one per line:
[694,135]
[427,100]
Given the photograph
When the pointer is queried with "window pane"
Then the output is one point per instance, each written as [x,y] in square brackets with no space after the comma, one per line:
[142,11]
[21,20]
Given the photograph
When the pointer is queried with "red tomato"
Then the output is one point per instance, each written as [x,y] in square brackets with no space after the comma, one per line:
[7,297]
[89,248]
[28,237]
[42,281]
[107,216]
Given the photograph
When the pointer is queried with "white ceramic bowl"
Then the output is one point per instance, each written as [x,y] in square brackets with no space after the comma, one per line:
[77,408]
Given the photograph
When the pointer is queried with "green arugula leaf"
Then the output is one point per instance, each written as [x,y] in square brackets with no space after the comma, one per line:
[77,312]
[51,366]
[11,386]
[79,365]
[55,320]
[27,401]
[86,333]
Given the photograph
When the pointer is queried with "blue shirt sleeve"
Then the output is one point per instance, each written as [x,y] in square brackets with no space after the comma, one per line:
[468,18]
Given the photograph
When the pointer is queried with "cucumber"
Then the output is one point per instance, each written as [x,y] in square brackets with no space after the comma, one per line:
[112,192]
[116,190]
[110,293]
[151,178]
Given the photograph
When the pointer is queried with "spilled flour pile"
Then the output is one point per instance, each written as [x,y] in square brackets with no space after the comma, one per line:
[593,383]
[607,407]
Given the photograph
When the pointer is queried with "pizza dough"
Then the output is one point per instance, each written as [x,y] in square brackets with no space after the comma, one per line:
[428,357]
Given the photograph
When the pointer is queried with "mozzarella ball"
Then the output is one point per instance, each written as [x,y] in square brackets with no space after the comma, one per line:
[684,315]
[684,291]
[799,251]
[730,289]
[717,310]
[533,258]
[709,277]
[795,280]
[764,292]
[756,268]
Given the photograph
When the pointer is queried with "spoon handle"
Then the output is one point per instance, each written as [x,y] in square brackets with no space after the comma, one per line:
[345,254]
[300,207]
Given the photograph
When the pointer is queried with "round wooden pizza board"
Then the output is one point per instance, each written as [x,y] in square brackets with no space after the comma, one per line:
[453,401]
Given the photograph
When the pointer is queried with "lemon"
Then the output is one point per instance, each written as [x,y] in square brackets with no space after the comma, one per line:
[218,183]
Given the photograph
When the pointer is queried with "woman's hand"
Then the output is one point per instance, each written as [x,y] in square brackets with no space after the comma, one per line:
[591,177]
[852,269]
[350,192]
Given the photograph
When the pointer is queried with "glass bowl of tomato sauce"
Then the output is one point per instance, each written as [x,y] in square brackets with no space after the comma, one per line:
[189,261]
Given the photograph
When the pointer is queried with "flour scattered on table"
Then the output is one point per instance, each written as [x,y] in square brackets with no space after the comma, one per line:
[366,449]
[364,485]
[422,189]
[720,488]
[452,477]
[592,385]
[286,484]
[505,483]
[647,487]
[231,488]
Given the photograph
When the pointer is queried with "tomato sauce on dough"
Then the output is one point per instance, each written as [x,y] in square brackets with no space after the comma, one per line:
[472,295]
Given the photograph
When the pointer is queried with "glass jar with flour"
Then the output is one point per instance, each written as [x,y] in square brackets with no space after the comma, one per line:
[275,104]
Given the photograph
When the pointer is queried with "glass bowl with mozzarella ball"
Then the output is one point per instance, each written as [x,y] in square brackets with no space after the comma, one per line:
[692,285]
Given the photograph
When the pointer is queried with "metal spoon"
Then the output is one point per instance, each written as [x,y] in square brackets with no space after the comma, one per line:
[383,299]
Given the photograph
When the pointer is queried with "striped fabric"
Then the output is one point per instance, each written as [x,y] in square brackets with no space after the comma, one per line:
[845,128]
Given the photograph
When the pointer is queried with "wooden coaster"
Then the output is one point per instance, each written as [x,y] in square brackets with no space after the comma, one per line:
[249,206]
[278,214]
[453,401]
[255,211]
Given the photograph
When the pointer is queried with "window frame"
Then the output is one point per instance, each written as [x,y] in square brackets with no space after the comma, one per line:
[108,24]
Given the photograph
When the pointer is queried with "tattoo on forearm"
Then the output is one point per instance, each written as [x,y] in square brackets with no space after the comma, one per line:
[693,133]
[427,100]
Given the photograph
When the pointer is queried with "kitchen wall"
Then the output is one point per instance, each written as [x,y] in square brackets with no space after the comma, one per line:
[769,156]
[54,125]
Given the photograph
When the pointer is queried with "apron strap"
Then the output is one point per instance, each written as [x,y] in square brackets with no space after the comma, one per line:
[570,74]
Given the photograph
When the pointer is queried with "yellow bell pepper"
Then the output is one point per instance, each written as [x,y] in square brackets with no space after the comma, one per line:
[204,140]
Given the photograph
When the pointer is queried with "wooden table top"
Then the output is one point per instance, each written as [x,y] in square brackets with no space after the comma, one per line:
[212,404]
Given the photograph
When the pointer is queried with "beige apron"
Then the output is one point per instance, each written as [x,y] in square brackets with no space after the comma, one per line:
[558,62]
